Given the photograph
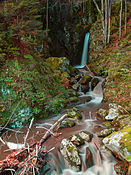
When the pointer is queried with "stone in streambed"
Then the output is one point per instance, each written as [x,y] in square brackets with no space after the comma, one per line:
[70,155]
[94,82]
[67,124]
[74,113]
[85,135]
[105,132]
[85,80]
[76,140]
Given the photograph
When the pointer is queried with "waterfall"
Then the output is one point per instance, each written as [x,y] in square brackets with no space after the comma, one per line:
[84,53]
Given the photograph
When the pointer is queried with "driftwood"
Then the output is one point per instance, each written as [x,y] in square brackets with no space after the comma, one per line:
[28,160]
[48,133]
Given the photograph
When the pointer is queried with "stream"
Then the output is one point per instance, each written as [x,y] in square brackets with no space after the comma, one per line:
[102,160]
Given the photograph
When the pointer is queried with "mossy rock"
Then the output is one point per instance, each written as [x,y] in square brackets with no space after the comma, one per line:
[74,113]
[67,124]
[122,121]
[70,154]
[76,140]
[85,80]
[119,143]
[73,99]
[105,132]
[60,63]
[107,124]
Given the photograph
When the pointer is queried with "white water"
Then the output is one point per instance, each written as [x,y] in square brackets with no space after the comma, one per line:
[103,160]
[84,53]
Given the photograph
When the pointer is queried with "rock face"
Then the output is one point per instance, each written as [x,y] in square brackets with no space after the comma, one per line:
[70,154]
[120,143]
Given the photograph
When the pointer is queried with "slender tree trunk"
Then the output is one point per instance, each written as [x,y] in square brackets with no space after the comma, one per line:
[102,17]
[109,20]
[106,21]
[125,16]
[101,13]
[120,18]
[47,17]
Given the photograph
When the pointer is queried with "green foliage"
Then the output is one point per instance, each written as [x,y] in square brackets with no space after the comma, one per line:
[35,85]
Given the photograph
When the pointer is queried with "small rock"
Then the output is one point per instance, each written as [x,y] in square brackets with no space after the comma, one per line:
[67,124]
[74,113]
[76,140]
[105,132]
[86,136]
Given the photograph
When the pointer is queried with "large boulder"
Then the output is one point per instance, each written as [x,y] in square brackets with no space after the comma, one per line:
[70,154]
[120,143]
[61,63]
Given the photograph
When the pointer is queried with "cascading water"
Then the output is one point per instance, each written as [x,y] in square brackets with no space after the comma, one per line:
[84,53]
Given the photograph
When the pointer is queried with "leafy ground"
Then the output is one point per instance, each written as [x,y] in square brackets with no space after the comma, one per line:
[113,62]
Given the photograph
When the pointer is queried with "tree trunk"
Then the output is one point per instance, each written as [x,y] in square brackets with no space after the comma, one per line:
[102,17]
[106,21]
[47,17]
[109,19]
[101,13]
[120,18]
[125,16]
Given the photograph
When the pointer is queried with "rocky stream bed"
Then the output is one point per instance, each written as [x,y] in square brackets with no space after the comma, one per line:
[92,137]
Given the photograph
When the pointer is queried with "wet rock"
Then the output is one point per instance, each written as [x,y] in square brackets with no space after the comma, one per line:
[114,111]
[76,86]
[89,158]
[119,143]
[107,123]
[84,88]
[121,168]
[70,154]
[94,82]
[74,113]
[67,124]
[76,140]
[85,135]
[105,132]
[85,80]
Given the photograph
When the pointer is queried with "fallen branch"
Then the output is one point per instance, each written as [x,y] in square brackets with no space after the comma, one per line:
[28,130]
[48,133]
